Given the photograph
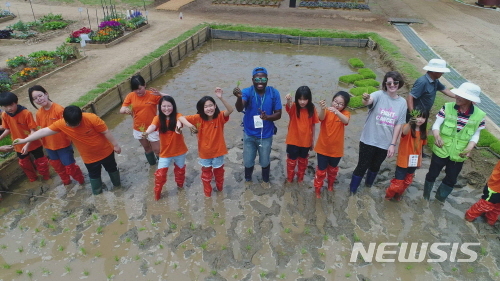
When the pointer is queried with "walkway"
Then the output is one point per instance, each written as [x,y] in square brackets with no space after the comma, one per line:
[487,105]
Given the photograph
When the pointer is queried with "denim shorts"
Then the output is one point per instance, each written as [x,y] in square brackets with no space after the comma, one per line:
[212,162]
[65,155]
[252,145]
[179,160]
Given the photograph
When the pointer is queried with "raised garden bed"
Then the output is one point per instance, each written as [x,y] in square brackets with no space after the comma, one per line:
[334,5]
[7,18]
[43,25]
[126,34]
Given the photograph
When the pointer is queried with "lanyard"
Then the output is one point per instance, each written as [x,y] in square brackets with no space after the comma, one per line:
[262,99]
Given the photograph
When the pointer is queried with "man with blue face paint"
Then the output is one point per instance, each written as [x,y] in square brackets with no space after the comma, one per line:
[261,105]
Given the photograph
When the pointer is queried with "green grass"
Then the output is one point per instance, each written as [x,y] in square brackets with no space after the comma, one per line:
[495,147]
[367,73]
[351,78]
[357,63]
[356,102]
[359,91]
[486,139]
[366,83]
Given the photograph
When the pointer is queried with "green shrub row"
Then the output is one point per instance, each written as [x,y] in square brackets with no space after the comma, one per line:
[356,63]
[366,83]
[359,91]
[351,78]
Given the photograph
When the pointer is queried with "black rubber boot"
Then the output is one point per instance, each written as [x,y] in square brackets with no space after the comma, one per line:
[96,185]
[115,178]
[427,189]
[151,157]
[443,191]
[248,173]
[265,173]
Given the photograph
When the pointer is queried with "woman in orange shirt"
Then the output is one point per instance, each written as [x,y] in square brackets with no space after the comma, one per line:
[172,145]
[413,137]
[330,144]
[209,121]
[142,105]
[299,140]
[59,148]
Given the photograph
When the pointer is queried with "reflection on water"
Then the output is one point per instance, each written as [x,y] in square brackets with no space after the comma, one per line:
[50,232]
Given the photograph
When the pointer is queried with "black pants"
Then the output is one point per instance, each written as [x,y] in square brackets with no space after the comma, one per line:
[370,157]
[296,151]
[109,164]
[494,198]
[401,172]
[37,153]
[325,161]
[452,170]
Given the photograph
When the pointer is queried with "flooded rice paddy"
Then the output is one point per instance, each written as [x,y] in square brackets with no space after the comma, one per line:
[52,232]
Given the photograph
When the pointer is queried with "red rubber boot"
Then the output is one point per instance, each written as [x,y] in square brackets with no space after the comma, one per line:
[180,175]
[28,168]
[160,180]
[301,169]
[206,178]
[492,216]
[332,176]
[480,207]
[408,180]
[394,189]
[319,178]
[75,171]
[219,177]
[290,169]
[61,171]
[42,166]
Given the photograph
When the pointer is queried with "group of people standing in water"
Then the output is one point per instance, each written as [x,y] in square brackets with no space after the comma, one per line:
[157,125]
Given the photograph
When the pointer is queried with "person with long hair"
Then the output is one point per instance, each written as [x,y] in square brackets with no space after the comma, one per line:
[58,148]
[209,122]
[386,115]
[301,128]
[330,144]
[172,145]
[142,105]
[413,137]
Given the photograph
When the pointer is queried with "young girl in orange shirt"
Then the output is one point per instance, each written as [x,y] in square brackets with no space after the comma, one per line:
[143,105]
[413,137]
[330,144]
[172,145]
[209,121]
[59,148]
[299,140]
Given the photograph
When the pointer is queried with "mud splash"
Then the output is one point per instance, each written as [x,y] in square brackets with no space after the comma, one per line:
[50,232]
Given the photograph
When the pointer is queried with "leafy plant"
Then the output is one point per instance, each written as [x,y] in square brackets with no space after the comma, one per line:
[53,25]
[65,52]
[356,102]
[355,62]
[19,26]
[366,83]
[51,17]
[351,78]
[359,91]
[17,61]
[367,73]
[5,34]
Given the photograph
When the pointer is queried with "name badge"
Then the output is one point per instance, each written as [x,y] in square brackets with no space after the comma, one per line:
[413,160]
[257,122]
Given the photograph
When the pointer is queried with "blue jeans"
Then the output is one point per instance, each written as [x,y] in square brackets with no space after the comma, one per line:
[65,155]
[179,160]
[216,162]
[252,145]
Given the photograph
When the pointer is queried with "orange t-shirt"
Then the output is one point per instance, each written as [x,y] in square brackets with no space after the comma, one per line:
[331,135]
[20,127]
[211,143]
[45,118]
[300,129]
[409,145]
[171,143]
[494,181]
[143,108]
[87,137]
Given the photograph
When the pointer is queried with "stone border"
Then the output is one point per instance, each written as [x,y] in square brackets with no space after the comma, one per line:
[114,42]
[11,41]
[23,88]
[7,18]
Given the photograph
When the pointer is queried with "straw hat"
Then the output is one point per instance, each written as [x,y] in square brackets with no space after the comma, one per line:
[437,65]
[468,91]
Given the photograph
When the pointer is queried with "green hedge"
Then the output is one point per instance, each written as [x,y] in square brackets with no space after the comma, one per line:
[367,73]
[366,83]
[356,102]
[357,63]
[359,91]
[350,78]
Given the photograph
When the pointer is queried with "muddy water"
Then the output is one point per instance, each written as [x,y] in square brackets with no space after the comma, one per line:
[246,232]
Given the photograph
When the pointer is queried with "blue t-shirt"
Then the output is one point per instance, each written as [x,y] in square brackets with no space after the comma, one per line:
[254,103]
